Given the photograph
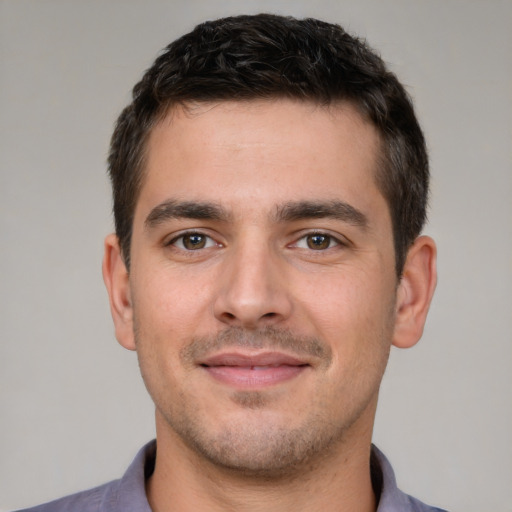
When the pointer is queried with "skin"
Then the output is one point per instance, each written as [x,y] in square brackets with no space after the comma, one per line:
[260,235]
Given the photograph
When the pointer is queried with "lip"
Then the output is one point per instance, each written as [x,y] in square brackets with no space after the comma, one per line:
[250,371]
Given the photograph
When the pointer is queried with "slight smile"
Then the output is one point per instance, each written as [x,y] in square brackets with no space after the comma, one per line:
[253,371]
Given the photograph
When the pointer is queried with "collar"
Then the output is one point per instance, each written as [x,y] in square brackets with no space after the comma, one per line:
[131,492]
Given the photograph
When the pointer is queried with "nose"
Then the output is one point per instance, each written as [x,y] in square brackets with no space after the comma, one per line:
[252,291]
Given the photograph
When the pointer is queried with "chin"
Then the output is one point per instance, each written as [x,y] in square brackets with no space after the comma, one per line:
[262,447]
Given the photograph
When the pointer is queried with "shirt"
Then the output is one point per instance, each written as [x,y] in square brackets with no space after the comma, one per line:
[129,494]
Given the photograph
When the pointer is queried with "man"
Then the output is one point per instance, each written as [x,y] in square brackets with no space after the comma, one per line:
[270,184]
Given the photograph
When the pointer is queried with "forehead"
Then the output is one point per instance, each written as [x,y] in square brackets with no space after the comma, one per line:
[275,150]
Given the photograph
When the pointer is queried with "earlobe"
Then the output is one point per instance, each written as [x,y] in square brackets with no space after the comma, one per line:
[415,292]
[115,276]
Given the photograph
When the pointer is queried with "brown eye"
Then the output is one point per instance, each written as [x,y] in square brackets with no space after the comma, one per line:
[193,241]
[318,242]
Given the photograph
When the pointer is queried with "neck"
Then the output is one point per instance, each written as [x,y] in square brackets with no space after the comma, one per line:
[183,481]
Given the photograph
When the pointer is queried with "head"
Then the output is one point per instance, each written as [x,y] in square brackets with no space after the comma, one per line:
[269,182]
[266,56]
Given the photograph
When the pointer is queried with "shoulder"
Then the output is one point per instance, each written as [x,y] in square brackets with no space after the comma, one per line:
[125,495]
[391,498]
[415,505]
[85,501]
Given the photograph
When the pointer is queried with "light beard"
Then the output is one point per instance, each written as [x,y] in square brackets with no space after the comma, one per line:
[255,446]
[265,453]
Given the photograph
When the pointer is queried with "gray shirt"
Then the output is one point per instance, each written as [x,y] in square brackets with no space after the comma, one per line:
[129,495]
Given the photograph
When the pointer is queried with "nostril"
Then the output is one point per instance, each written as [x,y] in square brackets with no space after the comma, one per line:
[269,315]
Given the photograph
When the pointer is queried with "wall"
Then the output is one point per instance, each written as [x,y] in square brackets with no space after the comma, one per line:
[73,407]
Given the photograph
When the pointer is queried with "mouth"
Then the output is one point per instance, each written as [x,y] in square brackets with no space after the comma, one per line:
[250,371]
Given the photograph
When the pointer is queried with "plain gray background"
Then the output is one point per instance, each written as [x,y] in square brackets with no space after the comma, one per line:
[73,407]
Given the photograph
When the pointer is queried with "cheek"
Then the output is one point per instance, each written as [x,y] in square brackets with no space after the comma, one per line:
[171,305]
[344,301]
[169,311]
[354,314]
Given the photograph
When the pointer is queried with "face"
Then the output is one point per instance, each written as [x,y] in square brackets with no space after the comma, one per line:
[261,297]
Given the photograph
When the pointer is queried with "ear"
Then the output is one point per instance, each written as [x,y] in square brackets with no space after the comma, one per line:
[415,292]
[117,282]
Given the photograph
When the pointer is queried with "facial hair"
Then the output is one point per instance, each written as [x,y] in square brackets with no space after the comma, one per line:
[255,444]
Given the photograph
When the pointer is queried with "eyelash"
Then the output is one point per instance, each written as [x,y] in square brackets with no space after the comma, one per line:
[209,241]
[332,241]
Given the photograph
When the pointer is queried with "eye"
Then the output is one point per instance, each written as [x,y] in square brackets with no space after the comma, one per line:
[193,241]
[317,242]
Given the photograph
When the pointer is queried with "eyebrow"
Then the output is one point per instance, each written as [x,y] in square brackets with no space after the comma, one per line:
[339,210]
[173,209]
[288,212]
